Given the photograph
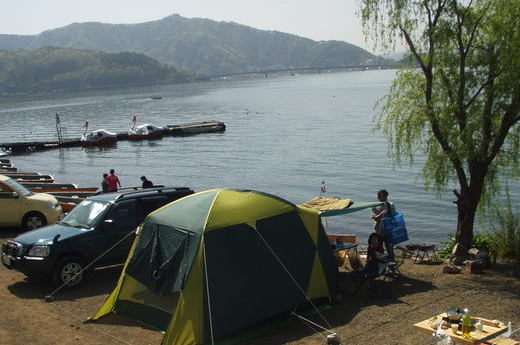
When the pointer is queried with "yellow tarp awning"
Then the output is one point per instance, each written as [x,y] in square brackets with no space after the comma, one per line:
[335,206]
[320,203]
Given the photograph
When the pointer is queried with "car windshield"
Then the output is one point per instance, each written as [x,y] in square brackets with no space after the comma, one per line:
[18,188]
[86,215]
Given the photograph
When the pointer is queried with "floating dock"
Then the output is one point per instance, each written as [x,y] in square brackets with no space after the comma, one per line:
[169,130]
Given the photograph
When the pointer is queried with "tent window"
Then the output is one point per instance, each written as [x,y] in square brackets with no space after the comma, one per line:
[159,262]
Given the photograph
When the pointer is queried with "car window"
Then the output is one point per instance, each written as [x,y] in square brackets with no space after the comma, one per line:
[4,192]
[124,216]
[86,215]
[18,188]
[150,204]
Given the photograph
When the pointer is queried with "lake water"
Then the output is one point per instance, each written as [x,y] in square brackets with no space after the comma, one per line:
[285,134]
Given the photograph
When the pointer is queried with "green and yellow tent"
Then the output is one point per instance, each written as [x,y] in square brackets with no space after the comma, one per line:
[215,262]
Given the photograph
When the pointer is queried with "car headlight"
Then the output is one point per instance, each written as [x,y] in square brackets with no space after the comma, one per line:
[53,204]
[41,251]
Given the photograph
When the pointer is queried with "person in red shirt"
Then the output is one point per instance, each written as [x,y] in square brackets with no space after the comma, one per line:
[112,181]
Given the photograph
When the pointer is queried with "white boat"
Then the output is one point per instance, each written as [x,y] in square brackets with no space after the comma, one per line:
[98,137]
[145,131]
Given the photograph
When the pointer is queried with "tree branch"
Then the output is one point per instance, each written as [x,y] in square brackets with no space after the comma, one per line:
[511,117]
[447,85]
[489,80]
[411,45]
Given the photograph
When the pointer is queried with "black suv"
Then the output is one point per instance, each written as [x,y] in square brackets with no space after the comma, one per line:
[99,226]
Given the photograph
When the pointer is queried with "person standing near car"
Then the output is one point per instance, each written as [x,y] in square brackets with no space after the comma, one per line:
[146,182]
[104,184]
[378,212]
[112,181]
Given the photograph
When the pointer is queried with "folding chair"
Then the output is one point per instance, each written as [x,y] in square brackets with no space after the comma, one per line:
[377,274]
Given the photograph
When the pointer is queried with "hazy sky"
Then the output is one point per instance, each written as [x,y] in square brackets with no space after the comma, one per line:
[318,20]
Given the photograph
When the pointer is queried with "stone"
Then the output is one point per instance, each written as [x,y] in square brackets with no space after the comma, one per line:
[451,269]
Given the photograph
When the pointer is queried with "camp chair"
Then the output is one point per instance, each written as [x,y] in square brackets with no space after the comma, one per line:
[377,274]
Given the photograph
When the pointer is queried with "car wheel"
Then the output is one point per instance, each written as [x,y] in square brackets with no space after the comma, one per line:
[33,220]
[69,272]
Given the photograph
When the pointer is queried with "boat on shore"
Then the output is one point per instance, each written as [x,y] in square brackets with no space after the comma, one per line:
[69,188]
[22,177]
[195,128]
[6,165]
[68,203]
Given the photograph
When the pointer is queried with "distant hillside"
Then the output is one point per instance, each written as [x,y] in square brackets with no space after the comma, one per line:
[55,69]
[200,46]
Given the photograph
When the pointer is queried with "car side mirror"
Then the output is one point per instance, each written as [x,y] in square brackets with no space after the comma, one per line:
[107,224]
[14,195]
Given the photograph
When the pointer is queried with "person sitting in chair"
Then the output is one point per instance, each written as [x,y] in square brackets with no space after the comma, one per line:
[375,250]
[375,255]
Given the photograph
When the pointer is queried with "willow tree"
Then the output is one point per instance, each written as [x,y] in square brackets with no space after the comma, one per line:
[458,102]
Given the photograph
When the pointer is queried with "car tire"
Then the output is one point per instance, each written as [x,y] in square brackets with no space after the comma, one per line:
[33,220]
[69,271]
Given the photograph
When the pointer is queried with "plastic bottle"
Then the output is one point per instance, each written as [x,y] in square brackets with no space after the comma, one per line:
[479,326]
[441,338]
[466,324]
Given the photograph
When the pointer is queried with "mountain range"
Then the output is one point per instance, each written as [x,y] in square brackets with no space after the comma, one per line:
[199,46]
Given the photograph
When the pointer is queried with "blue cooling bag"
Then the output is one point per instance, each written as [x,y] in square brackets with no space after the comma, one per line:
[395,228]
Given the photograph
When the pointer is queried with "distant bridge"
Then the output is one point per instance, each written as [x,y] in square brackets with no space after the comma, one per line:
[302,69]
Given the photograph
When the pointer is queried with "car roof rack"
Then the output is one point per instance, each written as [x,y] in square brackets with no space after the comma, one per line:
[122,192]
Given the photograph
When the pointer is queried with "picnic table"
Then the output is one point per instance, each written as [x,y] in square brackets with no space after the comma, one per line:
[490,330]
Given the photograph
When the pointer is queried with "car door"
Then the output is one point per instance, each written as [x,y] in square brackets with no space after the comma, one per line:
[10,207]
[121,220]
[149,204]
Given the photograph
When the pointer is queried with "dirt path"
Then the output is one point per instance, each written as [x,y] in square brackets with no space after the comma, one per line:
[363,318]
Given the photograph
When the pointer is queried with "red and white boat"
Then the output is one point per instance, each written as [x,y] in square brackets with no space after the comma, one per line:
[145,131]
[99,137]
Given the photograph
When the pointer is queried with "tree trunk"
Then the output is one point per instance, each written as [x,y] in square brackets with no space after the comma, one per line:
[466,209]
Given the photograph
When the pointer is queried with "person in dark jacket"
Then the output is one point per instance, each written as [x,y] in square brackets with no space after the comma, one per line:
[104,184]
[146,182]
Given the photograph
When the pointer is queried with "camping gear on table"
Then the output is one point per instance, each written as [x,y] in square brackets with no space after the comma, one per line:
[395,227]
[217,261]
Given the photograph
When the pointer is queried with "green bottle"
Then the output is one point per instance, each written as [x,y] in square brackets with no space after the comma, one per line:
[466,324]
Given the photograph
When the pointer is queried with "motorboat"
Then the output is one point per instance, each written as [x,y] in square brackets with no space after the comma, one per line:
[98,137]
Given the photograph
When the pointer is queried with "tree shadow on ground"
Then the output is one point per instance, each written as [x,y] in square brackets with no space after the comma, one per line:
[487,279]
[100,281]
